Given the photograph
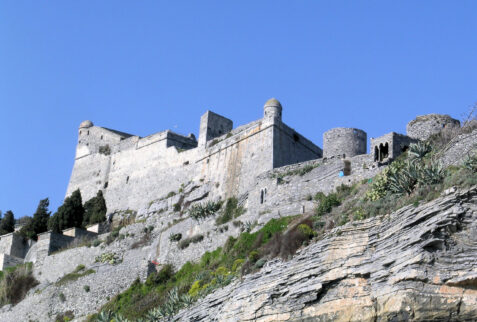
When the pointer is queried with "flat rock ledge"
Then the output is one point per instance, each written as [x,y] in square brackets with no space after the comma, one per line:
[418,263]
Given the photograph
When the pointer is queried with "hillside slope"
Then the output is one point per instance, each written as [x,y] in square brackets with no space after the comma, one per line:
[417,263]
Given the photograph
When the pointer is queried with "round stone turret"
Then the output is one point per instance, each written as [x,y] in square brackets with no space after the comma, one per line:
[86,124]
[272,110]
[346,142]
[426,125]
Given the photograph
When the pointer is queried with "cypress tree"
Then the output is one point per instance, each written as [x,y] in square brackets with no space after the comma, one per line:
[7,225]
[69,214]
[41,216]
[95,210]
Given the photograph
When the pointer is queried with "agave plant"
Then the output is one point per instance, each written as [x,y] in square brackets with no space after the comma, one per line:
[104,316]
[470,162]
[119,318]
[431,174]
[201,211]
[187,300]
[404,180]
[155,314]
[419,150]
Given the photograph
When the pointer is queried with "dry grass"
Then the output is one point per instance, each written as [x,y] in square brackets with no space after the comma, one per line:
[16,283]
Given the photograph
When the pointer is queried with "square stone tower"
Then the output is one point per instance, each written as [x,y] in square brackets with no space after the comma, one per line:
[213,125]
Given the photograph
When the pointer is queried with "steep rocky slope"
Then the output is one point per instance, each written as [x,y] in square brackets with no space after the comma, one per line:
[418,263]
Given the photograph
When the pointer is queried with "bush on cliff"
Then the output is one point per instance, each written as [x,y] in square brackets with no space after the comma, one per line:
[214,269]
[15,282]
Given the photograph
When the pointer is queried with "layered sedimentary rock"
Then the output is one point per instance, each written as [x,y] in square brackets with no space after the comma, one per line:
[418,263]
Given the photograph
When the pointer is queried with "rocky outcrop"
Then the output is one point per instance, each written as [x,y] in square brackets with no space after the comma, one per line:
[418,263]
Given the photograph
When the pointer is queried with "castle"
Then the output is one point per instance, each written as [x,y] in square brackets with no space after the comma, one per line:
[133,171]
[167,172]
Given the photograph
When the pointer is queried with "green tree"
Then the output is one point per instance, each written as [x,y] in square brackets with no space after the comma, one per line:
[95,210]
[27,229]
[39,223]
[7,225]
[69,214]
[41,216]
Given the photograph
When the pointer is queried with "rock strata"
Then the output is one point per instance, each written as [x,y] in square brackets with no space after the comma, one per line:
[418,263]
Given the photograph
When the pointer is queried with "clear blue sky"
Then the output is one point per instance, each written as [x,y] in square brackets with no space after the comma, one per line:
[146,66]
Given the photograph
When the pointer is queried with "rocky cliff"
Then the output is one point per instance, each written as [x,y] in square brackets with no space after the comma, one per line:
[418,263]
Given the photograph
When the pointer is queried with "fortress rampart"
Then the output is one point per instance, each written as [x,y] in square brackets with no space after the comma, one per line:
[132,171]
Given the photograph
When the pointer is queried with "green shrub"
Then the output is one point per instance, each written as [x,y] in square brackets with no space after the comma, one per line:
[175,237]
[62,297]
[86,288]
[326,203]
[260,263]
[161,277]
[194,289]
[104,149]
[64,317]
[201,211]
[15,283]
[171,194]
[110,258]
[253,256]
[231,211]
[187,241]
[470,162]
[237,264]
[75,275]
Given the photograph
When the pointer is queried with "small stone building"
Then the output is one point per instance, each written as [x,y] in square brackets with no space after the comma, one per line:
[389,146]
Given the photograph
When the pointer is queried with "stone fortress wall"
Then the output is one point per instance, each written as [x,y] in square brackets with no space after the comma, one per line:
[257,163]
[132,171]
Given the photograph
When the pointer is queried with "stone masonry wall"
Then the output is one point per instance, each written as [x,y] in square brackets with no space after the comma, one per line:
[133,177]
[9,261]
[424,126]
[344,141]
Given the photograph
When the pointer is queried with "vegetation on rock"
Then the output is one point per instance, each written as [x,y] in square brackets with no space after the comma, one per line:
[15,282]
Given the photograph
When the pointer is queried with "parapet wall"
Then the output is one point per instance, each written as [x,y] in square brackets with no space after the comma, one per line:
[14,245]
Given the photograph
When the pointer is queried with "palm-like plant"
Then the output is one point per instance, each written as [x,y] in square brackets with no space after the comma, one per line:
[104,316]
[419,150]
[404,180]
[433,173]
[470,162]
